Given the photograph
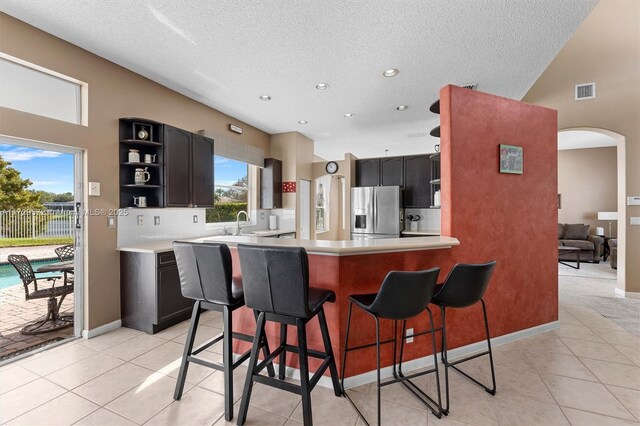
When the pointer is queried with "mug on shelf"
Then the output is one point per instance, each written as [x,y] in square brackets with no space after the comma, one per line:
[141,176]
[134,156]
[150,158]
[140,201]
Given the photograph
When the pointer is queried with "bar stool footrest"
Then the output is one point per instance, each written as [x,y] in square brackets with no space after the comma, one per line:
[422,397]
[483,386]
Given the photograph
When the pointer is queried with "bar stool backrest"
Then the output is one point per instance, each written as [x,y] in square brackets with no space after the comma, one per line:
[275,279]
[466,284]
[205,271]
[404,295]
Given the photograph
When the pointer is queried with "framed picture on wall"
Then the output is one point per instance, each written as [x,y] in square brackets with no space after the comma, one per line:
[511,159]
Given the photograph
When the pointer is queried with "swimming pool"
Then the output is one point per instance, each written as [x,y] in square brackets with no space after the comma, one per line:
[9,276]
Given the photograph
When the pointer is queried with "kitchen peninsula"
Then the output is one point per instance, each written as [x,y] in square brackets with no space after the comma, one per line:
[345,267]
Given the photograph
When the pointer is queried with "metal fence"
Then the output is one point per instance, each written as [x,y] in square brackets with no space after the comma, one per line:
[37,223]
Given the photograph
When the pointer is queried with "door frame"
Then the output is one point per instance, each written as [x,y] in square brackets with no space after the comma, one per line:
[306,184]
[80,267]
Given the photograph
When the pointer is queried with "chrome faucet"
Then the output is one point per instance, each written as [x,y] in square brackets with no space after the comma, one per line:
[246,215]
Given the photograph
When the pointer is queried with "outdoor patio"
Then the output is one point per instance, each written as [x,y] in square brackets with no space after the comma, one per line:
[16,312]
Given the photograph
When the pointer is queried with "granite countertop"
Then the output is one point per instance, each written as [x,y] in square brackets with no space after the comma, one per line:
[331,248]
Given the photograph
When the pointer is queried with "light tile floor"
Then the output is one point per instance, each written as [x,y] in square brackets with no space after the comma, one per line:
[587,372]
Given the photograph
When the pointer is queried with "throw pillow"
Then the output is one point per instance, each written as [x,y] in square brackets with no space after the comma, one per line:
[575,231]
[560,231]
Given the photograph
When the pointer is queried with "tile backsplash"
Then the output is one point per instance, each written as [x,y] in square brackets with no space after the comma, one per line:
[429,219]
[177,223]
[174,223]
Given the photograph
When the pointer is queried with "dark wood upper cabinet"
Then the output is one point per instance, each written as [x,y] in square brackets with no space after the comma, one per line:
[177,143]
[392,171]
[417,178]
[413,173]
[188,169]
[368,172]
[271,184]
[201,171]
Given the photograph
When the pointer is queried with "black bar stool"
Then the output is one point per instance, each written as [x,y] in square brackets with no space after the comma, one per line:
[402,296]
[465,286]
[206,276]
[276,284]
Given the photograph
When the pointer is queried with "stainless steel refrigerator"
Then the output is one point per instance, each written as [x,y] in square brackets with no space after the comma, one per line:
[376,212]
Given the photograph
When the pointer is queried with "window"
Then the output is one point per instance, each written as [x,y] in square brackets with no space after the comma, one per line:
[30,88]
[231,189]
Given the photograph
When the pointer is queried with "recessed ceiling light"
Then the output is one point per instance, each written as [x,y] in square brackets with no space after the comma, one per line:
[391,72]
[322,86]
[265,98]
[302,122]
[349,115]
[402,107]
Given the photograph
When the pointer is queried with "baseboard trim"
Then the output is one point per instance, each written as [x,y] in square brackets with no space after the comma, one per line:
[427,361]
[629,294]
[88,334]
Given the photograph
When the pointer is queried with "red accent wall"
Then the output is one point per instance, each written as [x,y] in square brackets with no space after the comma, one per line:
[503,217]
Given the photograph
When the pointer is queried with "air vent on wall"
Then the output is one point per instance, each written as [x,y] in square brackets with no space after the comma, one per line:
[585,91]
[471,86]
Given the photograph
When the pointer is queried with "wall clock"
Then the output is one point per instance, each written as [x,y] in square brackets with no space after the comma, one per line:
[331,167]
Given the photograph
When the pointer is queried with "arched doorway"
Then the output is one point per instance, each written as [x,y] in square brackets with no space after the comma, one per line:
[585,137]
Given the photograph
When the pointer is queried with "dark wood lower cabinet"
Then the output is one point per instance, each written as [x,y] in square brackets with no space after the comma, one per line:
[150,295]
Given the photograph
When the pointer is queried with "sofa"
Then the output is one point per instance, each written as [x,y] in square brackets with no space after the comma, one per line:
[577,235]
[613,253]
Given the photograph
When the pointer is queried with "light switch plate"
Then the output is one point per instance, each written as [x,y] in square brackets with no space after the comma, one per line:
[633,201]
[156,220]
[111,221]
[195,218]
[140,220]
[94,189]
[634,220]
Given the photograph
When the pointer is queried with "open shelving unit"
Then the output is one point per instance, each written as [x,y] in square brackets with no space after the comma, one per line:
[154,145]
[435,158]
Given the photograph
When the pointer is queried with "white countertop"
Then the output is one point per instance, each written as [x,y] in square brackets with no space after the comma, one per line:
[426,232]
[272,233]
[335,248]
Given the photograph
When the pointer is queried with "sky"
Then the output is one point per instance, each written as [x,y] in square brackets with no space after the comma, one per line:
[53,171]
[228,171]
[49,171]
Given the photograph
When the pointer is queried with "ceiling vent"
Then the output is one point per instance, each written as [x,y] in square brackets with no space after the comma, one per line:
[471,86]
[585,91]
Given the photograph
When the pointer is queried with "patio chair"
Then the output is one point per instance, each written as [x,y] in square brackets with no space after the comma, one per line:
[66,253]
[53,320]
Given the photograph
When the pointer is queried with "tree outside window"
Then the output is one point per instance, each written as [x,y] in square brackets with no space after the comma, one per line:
[231,190]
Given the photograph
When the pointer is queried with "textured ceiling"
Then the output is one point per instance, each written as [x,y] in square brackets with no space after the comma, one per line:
[577,139]
[227,53]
